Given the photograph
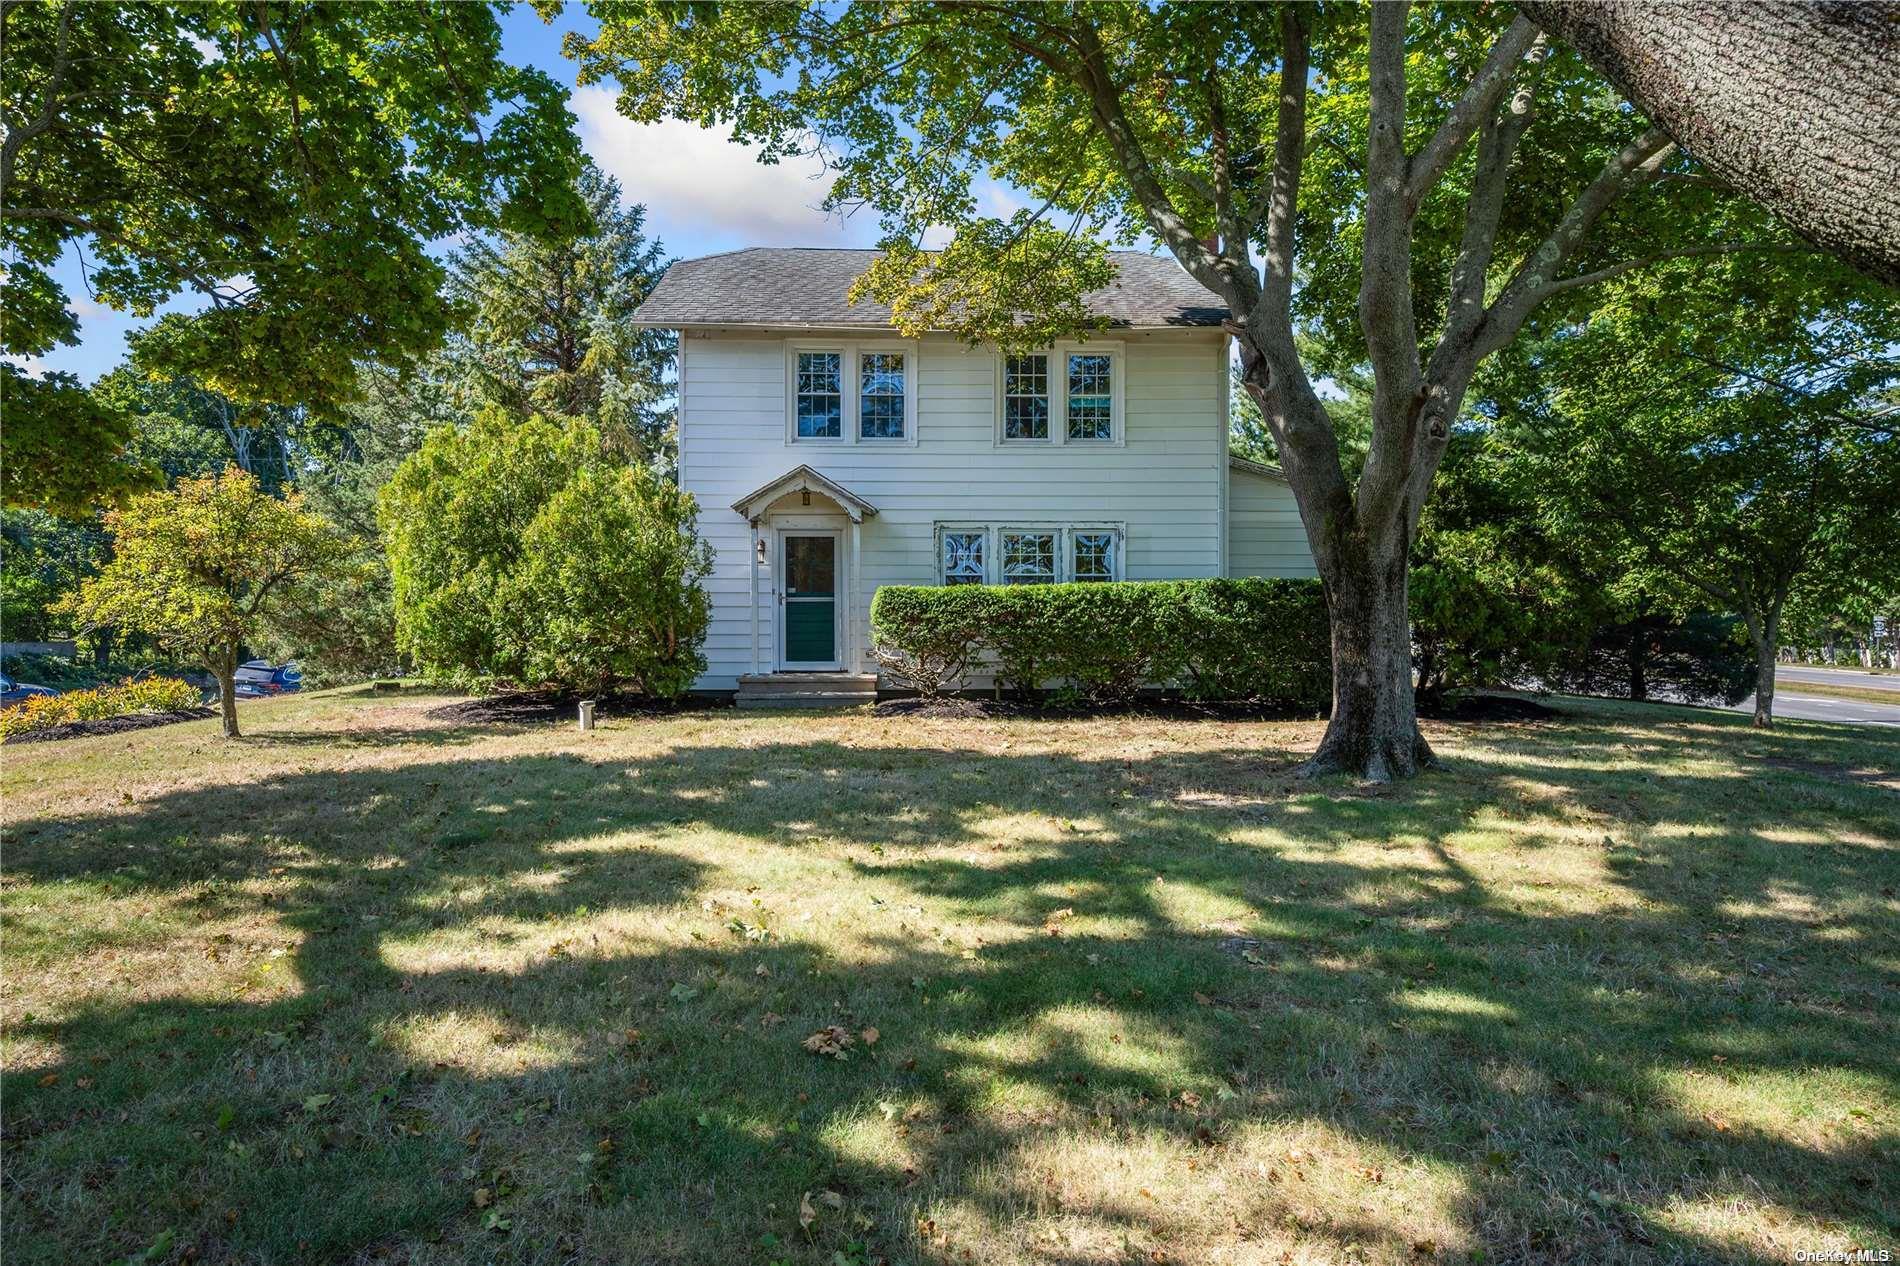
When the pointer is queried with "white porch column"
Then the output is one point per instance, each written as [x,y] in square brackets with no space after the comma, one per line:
[752,557]
[857,596]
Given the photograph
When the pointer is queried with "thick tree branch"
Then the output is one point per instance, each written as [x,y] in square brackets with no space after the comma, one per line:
[1289,159]
[1631,165]
[1163,217]
[1385,286]
[1477,106]
[1497,145]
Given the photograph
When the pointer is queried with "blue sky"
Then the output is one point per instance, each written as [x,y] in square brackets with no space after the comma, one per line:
[702,193]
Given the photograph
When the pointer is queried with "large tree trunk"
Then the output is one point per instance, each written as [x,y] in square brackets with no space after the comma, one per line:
[225,670]
[1795,105]
[1374,727]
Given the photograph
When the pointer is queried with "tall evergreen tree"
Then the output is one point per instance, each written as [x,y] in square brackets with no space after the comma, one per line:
[550,325]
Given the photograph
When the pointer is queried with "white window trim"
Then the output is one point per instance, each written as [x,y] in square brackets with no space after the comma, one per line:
[1064,533]
[1058,354]
[848,351]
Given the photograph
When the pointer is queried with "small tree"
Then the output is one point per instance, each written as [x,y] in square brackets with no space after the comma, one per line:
[520,550]
[199,566]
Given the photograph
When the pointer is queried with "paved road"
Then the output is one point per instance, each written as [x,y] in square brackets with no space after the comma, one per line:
[1787,674]
[1799,707]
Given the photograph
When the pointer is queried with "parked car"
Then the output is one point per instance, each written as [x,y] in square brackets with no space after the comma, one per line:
[14,692]
[260,679]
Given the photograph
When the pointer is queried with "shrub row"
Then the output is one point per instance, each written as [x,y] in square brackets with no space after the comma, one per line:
[153,694]
[1216,640]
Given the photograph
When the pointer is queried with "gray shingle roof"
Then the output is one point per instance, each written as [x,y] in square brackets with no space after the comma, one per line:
[805,286]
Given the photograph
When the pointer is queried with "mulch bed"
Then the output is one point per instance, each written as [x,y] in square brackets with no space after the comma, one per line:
[109,725]
[540,707]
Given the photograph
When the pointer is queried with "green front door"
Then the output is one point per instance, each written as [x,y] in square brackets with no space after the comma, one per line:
[811,600]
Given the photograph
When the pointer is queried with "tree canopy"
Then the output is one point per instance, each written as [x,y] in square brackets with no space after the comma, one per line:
[286,164]
[549,324]
[1738,457]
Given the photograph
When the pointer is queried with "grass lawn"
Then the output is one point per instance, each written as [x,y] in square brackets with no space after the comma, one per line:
[366,986]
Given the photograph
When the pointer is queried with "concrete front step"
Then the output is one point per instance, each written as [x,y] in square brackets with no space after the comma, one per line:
[807,690]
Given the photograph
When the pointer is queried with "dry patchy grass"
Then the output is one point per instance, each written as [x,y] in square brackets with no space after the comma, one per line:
[371,987]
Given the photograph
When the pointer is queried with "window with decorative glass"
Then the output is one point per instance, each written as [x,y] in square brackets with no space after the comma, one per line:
[1092,556]
[1026,397]
[881,395]
[1029,558]
[963,558]
[820,396]
[1091,396]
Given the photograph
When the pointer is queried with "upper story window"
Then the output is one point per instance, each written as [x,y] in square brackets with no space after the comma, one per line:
[963,558]
[820,407]
[1029,558]
[1026,397]
[854,390]
[881,395]
[1068,394]
[1090,396]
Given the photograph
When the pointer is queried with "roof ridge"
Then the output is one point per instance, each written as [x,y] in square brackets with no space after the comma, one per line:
[877,250]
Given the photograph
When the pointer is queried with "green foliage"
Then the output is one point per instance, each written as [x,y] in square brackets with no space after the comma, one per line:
[1701,658]
[61,449]
[185,431]
[522,550]
[197,567]
[149,694]
[289,164]
[608,591]
[1262,640]
[42,559]
[1741,457]
[550,325]
[345,628]
[1495,597]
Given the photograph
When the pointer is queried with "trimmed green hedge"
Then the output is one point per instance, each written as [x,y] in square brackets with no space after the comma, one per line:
[1217,640]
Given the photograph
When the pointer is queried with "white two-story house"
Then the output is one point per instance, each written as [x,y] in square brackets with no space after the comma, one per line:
[831,456]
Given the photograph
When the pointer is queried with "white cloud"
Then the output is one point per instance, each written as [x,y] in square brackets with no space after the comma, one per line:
[704,192]
[33,365]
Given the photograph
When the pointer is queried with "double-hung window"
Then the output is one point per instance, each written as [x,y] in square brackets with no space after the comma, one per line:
[820,408]
[1029,558]
[1090,397]
[1069,394]
[1026,397]
[851,392]
[881,395]
[963,557]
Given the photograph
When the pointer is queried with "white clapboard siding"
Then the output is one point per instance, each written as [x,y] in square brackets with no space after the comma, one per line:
[1264,533]
[1164,485]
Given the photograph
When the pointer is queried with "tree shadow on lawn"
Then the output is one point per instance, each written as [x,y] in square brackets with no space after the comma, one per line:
[445,1070]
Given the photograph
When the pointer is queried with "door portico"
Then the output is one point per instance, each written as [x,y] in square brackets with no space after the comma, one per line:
[804,562]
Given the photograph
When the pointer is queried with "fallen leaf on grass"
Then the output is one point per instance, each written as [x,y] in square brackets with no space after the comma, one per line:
[831,1041]
[806,1213]
[869,1036]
